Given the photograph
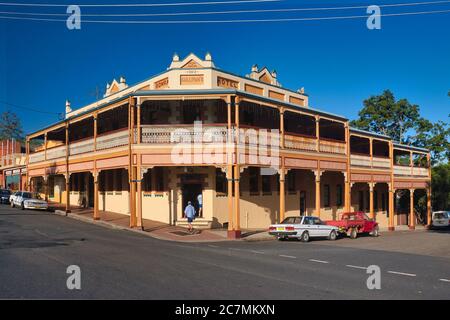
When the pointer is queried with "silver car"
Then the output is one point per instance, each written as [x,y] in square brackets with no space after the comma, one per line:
[303,228]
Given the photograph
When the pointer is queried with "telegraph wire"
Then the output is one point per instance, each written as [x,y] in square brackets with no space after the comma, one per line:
[229,21]
[229,11]
[28,108]
[138,4]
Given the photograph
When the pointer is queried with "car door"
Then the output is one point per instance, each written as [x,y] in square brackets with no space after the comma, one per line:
[322,229]
[17,198]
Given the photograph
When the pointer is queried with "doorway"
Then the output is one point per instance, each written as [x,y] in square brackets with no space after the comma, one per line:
[190,192]
[302,203]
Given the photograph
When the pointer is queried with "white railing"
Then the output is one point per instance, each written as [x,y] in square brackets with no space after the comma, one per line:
[300,143]
[81,147]
[420,171]
[402,170]
[381,162]
[36,157]
[55,153]
[113,140]
[332,147]
[360,161]
[183,134]
[15,159]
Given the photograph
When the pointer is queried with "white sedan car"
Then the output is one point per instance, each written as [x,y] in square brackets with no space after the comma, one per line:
[26,200]
[440,219]
[303,228]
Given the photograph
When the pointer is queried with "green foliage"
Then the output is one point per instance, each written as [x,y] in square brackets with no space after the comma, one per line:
[440,186]
[10,126]
[402,121]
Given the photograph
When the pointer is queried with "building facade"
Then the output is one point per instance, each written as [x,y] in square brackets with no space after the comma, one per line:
[255,151]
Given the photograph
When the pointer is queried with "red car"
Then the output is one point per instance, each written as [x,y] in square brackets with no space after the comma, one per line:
[352,223]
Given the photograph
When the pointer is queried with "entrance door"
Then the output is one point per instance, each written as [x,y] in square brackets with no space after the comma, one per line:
[302,203]
[90,190]
[361,201]
[190,192]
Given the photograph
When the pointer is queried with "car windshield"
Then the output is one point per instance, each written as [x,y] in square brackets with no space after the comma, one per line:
[5,192]
[27,195]
[440,215]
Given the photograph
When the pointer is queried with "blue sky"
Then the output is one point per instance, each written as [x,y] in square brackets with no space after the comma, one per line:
[339,62]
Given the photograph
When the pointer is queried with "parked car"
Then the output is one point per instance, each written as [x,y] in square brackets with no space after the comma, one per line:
[303,228]
[4,196]
[12,197]
[27,200]
[440,219]
[354,223]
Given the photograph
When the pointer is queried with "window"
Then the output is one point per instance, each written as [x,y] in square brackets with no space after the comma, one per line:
[291,181]
[147,183]
[221,181]
[326,195]
[254,180]
[266,184]
[159,179]
[339,195]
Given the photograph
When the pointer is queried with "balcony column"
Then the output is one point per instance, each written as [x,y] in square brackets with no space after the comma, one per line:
[45,146]
[141,171]
[236,232]
[131,168]
[411,165]
[138,120]
[318,133]
[229,172]
[412,220]
[371,152]
[429,206]
[67,178]
[282,128]
[391,226]
[317,174]
[95,174]
[45,185]
[371,206]
[347,192]
[95,131]
[282,175]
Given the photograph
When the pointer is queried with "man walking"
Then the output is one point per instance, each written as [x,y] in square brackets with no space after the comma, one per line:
[189,212]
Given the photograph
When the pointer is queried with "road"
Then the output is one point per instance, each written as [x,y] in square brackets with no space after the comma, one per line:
[37,247]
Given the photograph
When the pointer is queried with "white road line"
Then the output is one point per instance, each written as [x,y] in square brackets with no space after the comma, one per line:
[444,280]
[403,273]
[356,267]
[285,256]
[259,252]
[319,261]
[236,249]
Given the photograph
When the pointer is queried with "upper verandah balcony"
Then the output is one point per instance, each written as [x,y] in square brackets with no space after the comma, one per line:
[157,121]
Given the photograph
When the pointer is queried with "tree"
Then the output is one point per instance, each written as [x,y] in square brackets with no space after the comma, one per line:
[10,126]
[440,185]
[402,121]
[383,114]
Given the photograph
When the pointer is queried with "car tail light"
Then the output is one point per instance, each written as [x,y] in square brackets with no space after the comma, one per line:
[271,228]
[289,228]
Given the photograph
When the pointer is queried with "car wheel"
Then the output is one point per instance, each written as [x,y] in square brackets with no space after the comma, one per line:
[281,238]
[332,235]
[305,236]
[12,204]
[376,232]
[354,233]
[22,206]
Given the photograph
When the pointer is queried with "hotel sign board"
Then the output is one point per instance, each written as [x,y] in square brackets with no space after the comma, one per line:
[161,84]
[227,83]
[191,80]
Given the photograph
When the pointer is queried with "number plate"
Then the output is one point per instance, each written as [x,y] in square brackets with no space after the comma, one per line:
[280,229]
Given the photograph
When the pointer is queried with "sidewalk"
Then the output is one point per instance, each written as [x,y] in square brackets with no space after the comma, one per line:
[150,228]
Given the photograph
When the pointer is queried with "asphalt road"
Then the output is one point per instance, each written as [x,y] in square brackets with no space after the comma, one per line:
[37,247]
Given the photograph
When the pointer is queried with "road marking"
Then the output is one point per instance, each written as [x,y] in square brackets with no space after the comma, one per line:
[259,252]
[356,267]
[319,261]
[403,273]
[285,256]
[444,280]
[236,249]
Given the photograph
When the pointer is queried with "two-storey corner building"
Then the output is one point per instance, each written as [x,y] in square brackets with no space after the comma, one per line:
[255,151]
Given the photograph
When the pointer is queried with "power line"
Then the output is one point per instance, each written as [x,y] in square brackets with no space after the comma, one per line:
[229,21]
[226,12]
[138,4]
[28,108]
